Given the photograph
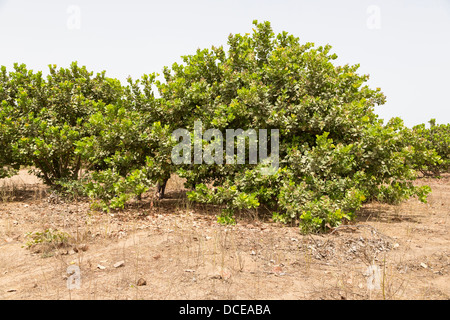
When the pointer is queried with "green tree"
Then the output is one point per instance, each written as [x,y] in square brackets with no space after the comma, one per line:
[43,117]
[335,153]
[429,144]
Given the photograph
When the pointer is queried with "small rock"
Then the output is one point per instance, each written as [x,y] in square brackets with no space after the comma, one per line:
[99,266]
[225,274]
[277,269]
[423,265]
[11,290]
[221,273]
[83,247]
[119,264]
[396,246]
[156,256]
[141,282]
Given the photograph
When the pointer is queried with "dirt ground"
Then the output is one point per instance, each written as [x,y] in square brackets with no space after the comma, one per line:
[174,250]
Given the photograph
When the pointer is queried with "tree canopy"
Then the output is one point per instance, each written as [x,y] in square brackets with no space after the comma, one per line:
[113,141]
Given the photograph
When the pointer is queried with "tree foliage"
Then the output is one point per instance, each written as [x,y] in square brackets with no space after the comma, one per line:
[115,141]
[429,144]
[335,153]
[43,117]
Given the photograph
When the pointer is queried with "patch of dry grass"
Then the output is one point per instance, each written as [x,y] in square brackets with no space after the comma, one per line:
[180,252]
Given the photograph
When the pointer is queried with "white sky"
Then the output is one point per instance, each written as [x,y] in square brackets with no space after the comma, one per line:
[408,56]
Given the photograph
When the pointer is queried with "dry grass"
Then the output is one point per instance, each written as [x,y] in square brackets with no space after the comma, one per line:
[182,253]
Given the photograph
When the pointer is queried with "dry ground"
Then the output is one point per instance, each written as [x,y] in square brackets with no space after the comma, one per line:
[173,250]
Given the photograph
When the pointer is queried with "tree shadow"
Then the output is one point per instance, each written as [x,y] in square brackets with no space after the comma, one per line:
[176,202]
[380,212]
[23,192]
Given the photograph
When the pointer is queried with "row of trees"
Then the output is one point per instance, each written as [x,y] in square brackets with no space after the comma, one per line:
[112,142]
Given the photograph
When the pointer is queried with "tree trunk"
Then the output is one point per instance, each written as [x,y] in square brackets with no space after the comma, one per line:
[160,189]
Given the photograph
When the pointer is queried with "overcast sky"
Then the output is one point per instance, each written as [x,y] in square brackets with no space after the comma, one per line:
[404,45]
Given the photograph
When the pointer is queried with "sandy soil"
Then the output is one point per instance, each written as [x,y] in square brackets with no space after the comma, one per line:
[174,250]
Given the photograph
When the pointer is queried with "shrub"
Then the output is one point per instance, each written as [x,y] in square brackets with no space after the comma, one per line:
[431,148]
[42,118]
[128,150]
[335,154]
[334,151]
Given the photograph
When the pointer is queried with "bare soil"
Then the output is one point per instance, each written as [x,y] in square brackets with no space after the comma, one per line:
[171,249]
